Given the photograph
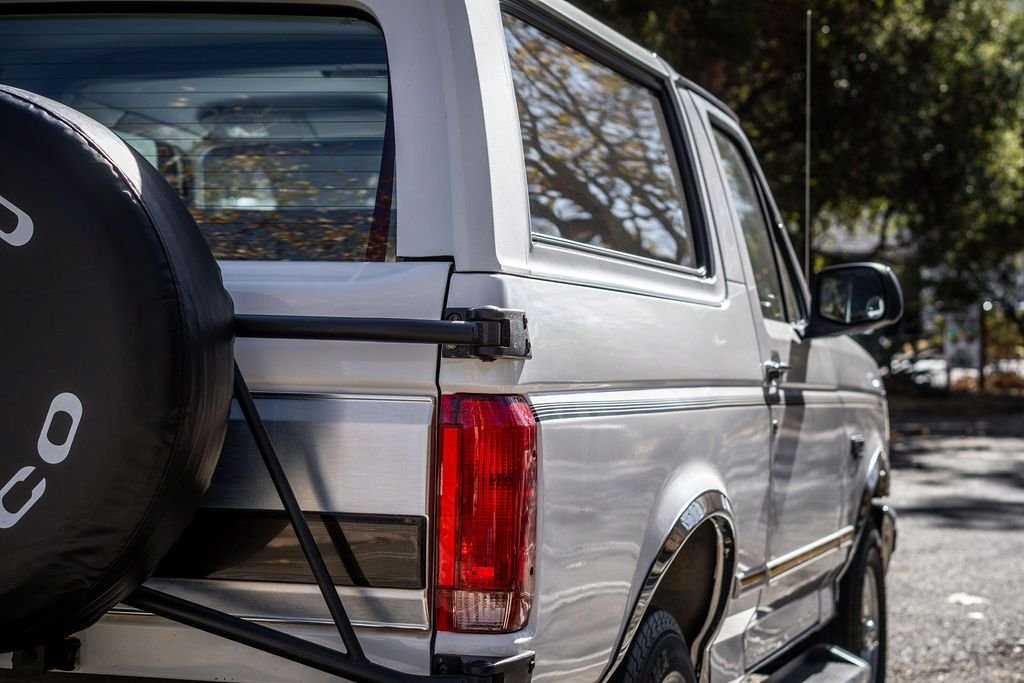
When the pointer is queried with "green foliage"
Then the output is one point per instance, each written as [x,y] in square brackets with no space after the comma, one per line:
[917,121]
[1003,339]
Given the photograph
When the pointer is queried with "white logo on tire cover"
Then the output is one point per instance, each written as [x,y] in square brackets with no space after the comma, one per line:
[51,453]
[23,230]
[56,453]
[8,518]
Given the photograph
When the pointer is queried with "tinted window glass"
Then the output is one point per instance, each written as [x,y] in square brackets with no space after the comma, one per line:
[271,129]
[747,204]
[598,160]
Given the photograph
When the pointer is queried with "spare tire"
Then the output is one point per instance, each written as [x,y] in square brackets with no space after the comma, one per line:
[115,369]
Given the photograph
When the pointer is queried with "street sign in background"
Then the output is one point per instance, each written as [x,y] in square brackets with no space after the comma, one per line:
[962,339]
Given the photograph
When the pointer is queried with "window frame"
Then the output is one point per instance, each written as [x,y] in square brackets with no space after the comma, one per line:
[773,224]
[661,88]
[792,272]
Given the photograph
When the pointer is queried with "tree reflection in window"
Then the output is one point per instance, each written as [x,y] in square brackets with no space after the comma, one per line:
[745,200]
[598,163]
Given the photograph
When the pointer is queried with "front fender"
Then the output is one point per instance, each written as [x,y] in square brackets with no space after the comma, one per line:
[884,518]
[872,511]
[877,480]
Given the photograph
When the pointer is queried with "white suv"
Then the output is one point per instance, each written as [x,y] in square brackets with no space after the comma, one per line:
[664,466]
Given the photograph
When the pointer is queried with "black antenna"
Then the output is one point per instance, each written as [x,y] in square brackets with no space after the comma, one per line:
[807,157]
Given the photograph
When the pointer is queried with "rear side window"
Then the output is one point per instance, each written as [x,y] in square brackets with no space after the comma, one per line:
[599,162]
[273,130]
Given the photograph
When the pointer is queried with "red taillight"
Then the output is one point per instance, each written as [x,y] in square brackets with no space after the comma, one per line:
[486,513]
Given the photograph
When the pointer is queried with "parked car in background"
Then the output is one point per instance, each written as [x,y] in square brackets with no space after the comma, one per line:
[679,479]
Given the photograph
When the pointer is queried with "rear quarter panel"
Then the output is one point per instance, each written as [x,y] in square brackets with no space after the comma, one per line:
[643,403]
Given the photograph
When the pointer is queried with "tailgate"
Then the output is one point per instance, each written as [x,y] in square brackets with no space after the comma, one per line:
[353,425]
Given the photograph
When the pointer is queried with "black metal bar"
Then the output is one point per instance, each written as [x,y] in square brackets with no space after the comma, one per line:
[298,520]
[344,550]
[357,329]
[277,642]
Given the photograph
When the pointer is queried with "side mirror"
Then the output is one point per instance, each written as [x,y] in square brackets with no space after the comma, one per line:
[854,298]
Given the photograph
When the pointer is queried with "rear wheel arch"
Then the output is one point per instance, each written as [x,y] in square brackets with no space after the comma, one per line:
[689,589]
[697,558]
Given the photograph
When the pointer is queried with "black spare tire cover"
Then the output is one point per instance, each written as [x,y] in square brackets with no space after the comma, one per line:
[116,365]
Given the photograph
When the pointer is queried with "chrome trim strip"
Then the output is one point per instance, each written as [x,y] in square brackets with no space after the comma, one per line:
[563,243]
[862,396]
[749,580]
[279,603]
[639,406]
[866,403]
[792,561]
[122,610]
[710,506]
[320,395]
[803,396]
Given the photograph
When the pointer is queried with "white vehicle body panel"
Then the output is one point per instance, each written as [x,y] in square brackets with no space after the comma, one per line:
[635,417]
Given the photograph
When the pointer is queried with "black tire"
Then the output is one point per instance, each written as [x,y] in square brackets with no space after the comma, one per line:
[851,630]
[658,654]
[116,368]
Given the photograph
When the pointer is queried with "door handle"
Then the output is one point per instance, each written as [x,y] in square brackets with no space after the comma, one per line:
[774,370]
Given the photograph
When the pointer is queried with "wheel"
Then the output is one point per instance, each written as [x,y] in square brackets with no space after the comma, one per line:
[861,613]
[658,654]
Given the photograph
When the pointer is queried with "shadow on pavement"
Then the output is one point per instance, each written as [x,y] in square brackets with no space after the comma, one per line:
[960,481]
[971,513]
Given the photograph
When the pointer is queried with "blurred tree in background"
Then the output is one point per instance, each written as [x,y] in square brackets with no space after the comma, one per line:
[917,148]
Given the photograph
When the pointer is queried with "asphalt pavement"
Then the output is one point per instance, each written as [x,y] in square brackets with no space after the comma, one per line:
[956,582]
